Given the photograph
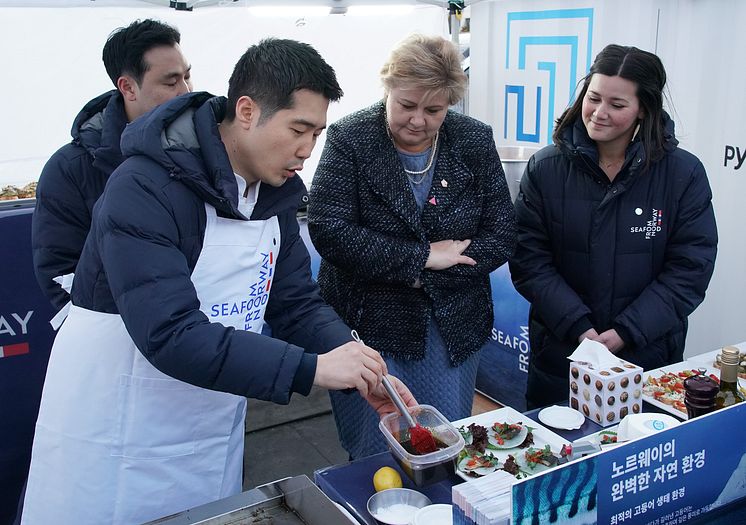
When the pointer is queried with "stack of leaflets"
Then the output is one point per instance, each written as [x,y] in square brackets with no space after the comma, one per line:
[484,501]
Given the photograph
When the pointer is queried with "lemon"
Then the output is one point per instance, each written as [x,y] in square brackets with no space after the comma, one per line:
[386,478]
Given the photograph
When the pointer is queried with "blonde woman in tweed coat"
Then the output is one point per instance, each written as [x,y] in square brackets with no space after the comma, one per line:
[410,212]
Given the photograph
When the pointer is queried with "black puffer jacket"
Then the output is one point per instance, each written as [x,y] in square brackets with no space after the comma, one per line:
[365,223]
[70,184]
[146,238]
[635,255]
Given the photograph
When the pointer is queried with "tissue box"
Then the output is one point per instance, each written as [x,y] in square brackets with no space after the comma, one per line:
[606,395]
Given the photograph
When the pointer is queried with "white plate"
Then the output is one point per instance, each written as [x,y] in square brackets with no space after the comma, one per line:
[542,435]
[438,514]
[561,417]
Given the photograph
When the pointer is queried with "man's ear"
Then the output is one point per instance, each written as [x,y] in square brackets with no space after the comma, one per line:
[247,112]
[127,87]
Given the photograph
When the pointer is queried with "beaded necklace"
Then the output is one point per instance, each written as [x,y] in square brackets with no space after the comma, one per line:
[422,172]
[433,150]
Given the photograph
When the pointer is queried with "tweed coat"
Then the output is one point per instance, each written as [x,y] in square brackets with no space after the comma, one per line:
[374,241]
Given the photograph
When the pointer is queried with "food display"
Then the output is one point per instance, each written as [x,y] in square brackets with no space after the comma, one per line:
[605,396]
[503,436]
[668,387]
[9,193]
[501,440]
[664,387]
[540,459]
[607,437]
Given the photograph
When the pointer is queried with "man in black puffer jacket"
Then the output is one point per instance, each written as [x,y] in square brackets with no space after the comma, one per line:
[146,65]
[194,245]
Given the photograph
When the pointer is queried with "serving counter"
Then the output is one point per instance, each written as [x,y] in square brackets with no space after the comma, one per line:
[350,484]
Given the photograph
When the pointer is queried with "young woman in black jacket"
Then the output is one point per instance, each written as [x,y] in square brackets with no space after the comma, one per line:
[616,231]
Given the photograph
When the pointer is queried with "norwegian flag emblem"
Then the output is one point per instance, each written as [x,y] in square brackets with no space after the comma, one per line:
[11,350]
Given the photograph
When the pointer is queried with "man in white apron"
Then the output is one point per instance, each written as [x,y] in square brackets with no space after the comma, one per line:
[194,246]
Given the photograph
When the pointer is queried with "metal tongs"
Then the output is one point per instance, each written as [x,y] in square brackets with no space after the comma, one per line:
[421,438]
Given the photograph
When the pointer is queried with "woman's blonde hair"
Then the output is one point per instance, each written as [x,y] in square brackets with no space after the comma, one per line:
[426,62]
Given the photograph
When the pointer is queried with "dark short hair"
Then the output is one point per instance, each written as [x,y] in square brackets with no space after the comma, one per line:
[126,46]
[272,70]
[644,69]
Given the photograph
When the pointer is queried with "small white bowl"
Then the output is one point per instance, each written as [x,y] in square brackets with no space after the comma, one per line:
[396,506]
[439,514]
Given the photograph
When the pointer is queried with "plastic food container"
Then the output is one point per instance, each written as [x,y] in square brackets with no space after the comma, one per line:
[426,468]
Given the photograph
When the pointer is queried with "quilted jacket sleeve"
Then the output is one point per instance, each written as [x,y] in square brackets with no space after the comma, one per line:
[532,268]
[495,240]
[334,222]
[688,265]
[60,222]
[150,281]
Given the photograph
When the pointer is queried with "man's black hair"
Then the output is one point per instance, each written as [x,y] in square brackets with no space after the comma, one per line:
[272,70]
[125,48]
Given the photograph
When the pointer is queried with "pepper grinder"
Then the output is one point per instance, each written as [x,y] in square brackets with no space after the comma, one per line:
[699,394]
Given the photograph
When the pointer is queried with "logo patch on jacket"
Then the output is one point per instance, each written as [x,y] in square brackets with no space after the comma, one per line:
[653,226]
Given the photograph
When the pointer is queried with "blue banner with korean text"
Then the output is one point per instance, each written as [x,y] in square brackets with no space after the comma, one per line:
[677,475]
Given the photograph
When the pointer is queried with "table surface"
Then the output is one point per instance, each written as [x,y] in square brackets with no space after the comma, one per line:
[351,484]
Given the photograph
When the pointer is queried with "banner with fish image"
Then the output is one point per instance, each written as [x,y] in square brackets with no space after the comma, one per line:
[564,495]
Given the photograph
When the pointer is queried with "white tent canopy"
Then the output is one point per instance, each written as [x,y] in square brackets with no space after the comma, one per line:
[220,3]
[54,48]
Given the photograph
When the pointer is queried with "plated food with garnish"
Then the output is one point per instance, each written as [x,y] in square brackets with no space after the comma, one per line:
[505,439]
[503,435]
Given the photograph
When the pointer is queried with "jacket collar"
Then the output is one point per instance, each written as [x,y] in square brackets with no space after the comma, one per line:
[98,128]
[576,142]
[182,136]
[384,173]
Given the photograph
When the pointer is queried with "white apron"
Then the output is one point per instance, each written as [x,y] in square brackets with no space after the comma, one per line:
[119,442]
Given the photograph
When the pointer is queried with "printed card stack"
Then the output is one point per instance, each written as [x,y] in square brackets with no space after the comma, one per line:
[484,501]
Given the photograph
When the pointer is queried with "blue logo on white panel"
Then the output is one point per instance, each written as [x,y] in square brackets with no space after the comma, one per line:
[547,53]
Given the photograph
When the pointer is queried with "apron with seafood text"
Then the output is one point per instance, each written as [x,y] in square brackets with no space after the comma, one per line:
[119,442]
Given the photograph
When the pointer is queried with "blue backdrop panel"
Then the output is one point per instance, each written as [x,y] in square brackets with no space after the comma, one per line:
[26,333]
[504,364]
